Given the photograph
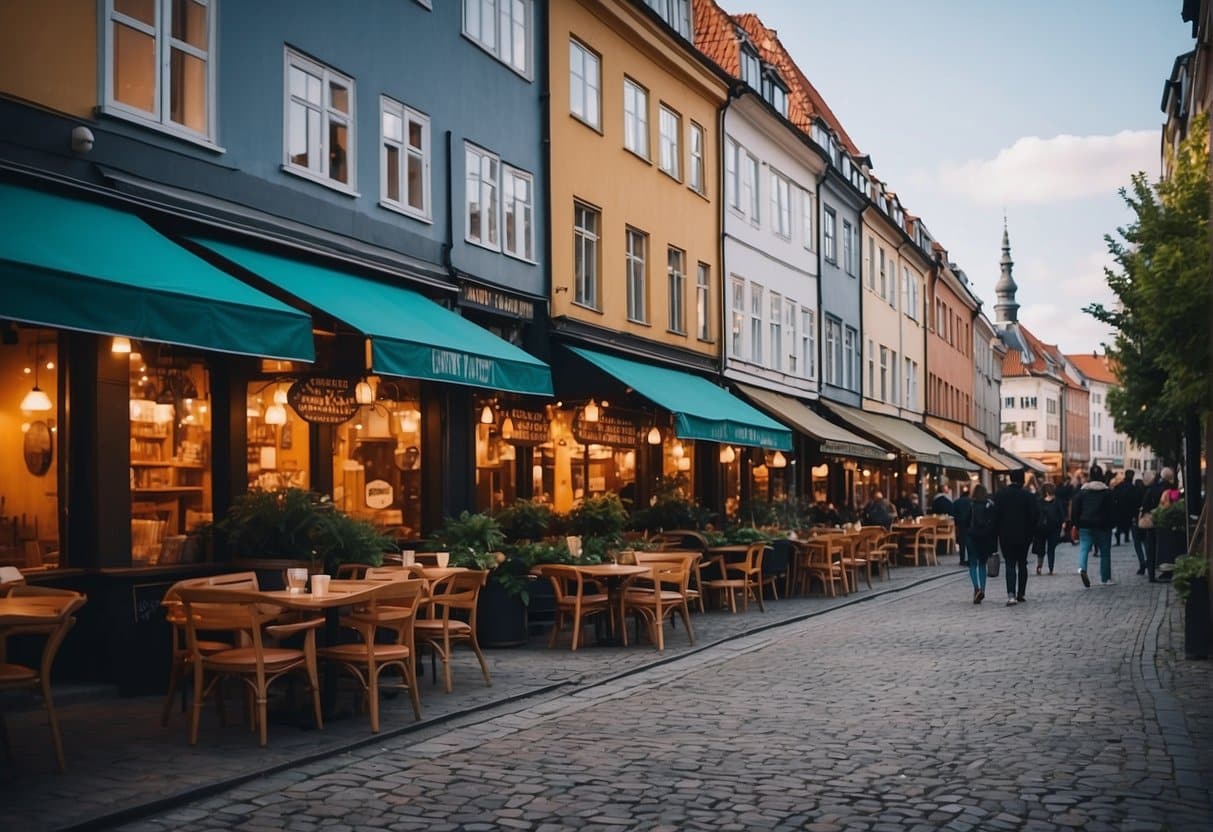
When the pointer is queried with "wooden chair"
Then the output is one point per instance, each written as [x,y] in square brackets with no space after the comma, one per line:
[945,533]
[882,551]
[257,665]
[687,540]
[18,676]
[660,594]
[392,607]
[821,559]
[577,599]
[855,561]
[744,576]
[921,547]
[456,593]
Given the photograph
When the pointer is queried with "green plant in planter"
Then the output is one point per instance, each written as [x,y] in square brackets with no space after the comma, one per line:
[472,539]
[602,516]
[1171,518]
[745,534]
[1188,568]
[525,520]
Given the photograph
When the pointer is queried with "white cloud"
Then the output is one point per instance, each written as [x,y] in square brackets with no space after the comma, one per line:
[1040,171]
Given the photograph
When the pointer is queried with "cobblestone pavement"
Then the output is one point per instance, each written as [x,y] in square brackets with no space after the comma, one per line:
[917,710]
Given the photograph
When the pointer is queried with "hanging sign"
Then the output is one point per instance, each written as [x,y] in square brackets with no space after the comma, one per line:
[614,427]
[326,401]
[529,427]
[379,494]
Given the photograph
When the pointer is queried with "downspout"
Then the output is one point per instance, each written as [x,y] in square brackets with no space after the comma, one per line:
[735,90]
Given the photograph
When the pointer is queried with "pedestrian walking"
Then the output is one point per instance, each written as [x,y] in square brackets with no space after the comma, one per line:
[1150,500]
[1065,493]
[1141,532]
[1125,511]
[1048,528]
[941,504]
[981,533]
[962,515]
[1091,512]
[1016,513]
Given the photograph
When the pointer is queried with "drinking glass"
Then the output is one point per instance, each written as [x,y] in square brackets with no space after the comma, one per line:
[296,579]
[443,559]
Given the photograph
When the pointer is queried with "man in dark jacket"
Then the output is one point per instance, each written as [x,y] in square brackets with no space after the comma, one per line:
[1125,510]
[1091,511]
[962,514]
[1017,520]
[1065,493]
[878,512]
[941,503]
[1150,499]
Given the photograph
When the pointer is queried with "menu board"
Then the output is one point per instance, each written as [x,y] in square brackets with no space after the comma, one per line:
[614,427]
[530,427]
[327,401]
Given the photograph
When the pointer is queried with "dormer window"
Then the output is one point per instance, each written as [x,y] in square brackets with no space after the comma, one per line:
[751,67]
[677,13]
[774,92]
[821,136]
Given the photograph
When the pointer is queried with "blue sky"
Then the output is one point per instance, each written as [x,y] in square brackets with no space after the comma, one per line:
[965,107]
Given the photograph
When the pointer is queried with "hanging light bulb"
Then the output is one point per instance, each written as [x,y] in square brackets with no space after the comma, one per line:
[591,412]
[410,420]
[486,415]
[684,464]
[275,414]
[654,436]
[364,393]
[507,428]
[279,395]
[120,344]
[727,454]
[677,451]
[779,460]
[35,400]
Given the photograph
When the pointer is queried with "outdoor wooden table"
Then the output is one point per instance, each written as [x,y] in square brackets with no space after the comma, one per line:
[614,575]
[31,609]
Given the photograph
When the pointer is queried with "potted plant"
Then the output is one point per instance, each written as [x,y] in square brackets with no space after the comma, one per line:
[525,520]
[1191,579]
[475,541]
[1170,533]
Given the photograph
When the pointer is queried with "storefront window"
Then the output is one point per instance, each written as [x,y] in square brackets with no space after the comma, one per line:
[170,454]
[279,453]
[590,450]
[496,458]
[29,447]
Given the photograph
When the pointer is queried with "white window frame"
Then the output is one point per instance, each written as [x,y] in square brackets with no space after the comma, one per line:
[488,190]
[789,321]
[869,263]
[848,248]
[160,31]
[703,301]
[776,330]
[806,220]
[587,288]
[732,174]
[737,316]
[753,175]
[884,275]
[834,370]
[894,393]
[808,341]
[636,274]
[871,369]
[408,116]
[757,315]
[328,76]
[851,348]
[884,374]
[829,223]
[581,57]
[676,13]
[521,244]
[781,205]
[505,26]
[669,140]
[636,118]
[697,170]
[676,284]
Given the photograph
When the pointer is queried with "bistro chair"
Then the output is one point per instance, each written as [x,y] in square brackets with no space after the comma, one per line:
[577,599]
[18,676]
[661,594]
[744,576]
[257,665]
[452,621]
[821,559]
[392,607]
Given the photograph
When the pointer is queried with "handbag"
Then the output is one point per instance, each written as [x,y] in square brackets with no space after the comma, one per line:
[993,564]
[1073,534]
[1145,520]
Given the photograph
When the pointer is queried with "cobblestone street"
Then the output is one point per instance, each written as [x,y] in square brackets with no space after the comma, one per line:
[916,710]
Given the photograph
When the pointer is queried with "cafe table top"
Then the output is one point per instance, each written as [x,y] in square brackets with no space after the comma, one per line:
[603,570]
[31,608]
[340,594]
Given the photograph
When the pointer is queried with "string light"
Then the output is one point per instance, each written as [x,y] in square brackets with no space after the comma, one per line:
[590,414]
[120,344]
[486,415]
[727,454]
[654,437]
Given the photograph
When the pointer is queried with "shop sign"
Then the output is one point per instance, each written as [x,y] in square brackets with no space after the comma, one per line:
[614,427]
[327,401]
[378,494]
[496,301]
[530,427]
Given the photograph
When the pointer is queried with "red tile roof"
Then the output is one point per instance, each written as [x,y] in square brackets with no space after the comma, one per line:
[1094,367]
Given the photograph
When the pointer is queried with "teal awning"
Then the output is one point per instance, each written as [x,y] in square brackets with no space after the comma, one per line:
[835,441]
[411,336]
[79,265]
[701,409]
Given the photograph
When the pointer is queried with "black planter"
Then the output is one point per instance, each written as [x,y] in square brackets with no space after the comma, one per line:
[500,617]
[1171,544]
[1198,630]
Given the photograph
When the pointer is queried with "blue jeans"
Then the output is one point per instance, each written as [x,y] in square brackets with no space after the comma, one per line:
[1051,540]
[977,563]
[1139,546]
[1102,540]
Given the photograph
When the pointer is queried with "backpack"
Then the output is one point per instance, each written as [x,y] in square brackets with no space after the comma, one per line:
[982,526]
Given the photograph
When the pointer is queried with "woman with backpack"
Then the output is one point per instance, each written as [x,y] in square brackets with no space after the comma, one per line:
[983,528]
[1048,532]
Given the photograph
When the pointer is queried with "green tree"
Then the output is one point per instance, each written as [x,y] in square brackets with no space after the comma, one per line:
[1160,351]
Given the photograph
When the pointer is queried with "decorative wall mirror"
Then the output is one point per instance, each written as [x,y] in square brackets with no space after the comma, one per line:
[38,448]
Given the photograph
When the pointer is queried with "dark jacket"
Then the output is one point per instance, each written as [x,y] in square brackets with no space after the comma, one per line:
[1092,507]
[1050,517]
[1152,496]
[876,513]
[942,504]
[962,512]
[983,529]
[1017,516]
[1126,502]
[1064,494]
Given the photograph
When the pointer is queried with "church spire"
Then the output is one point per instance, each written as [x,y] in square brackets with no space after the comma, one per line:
[1006,309]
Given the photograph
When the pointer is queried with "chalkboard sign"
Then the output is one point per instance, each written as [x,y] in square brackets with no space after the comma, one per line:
[146,598]
[328,401]
[528,427]
[614,427]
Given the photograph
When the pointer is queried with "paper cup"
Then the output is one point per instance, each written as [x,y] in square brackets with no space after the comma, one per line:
[444,558]
[408,557]
[320,585]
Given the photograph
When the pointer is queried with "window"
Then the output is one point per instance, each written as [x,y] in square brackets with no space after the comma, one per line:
[697,178]
[807,219]
[884,276]
[635,118]
[751,68]
[751,188]
[755,323]
[676,273]
[501,28]
[518,198]
[909,293]
[1050,405]
[893,397]
[848,248]
[833,351]
[677,13]
[404,159]
[808,341]
[703,302]
[737,316]
[732,174]
[585,99]
[781,205]
[789,320]
[1098,420]
[884,374]
[1008,402]
[480,197]
[827,230]
[776,331]
[851,346]
[319,122]
[775,93]
[671,152]
[911,384]
[586,222]
[1028,429]
[1027,402]
[637,249]
[1051,431]
[869,264]
[159,66]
